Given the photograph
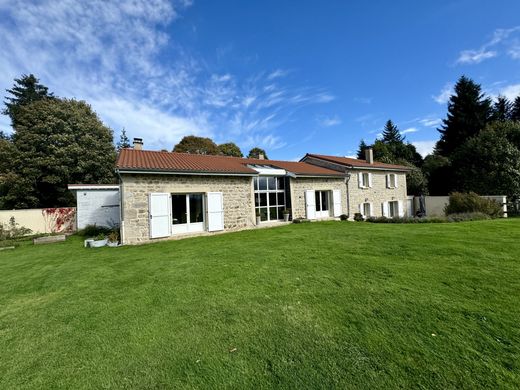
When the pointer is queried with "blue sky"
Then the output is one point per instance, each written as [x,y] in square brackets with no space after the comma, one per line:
[291,77]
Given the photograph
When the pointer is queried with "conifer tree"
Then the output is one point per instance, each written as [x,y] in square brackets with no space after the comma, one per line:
[515,110]
[361,150]
[502,109]
[124,142]
[391,133]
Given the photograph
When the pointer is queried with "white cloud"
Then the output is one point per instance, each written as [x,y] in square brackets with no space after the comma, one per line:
[363,100]
[326,121]
[475,56]
[444,95]
[278,73]
[430,122]
[409,130]
[424,147]
[511,91]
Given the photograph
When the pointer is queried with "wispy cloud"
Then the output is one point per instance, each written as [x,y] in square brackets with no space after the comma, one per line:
[363,100]
[328,121]
[501,40]
[111,54]
[444,95]
[409,130]
[424,147]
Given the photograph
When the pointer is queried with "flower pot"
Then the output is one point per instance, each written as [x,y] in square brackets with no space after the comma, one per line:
[286,217]
[98,243]
[112,244]
[258,220]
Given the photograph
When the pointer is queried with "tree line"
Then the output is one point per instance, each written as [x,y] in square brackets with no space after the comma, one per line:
[478,149]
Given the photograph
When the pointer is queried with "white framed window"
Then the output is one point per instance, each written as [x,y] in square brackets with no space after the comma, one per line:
[391,180]
[393,209]
[367,210]
[365,180]
[269,197]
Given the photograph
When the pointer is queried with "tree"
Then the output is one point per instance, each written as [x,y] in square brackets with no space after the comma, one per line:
[124,142]
[416,182]
[256,152]
[230,149]
[468,113]
[515,110]
[56,142]
[502,109]
[26,90]
[489,163]
[196,145]
[437,170]
[361,150]
[391,133]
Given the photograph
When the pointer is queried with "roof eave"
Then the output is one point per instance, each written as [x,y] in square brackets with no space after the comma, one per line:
[172,172]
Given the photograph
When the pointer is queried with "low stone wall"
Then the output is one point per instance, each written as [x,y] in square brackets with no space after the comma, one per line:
[237,198]
[301,184]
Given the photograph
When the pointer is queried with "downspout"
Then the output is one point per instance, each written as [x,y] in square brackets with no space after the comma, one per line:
[121,216]
[347,179]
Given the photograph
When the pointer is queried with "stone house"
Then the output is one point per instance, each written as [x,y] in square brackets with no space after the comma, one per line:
[168,195]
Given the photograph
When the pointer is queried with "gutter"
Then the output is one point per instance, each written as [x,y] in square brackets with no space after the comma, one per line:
[187,173]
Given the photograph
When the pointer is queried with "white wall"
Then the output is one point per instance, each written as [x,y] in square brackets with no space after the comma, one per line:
[38,220]
[435,204]
[99,207]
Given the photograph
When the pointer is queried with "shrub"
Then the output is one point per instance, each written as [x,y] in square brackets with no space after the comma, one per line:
[301,220]
[459,217]
[12,230]
[113,236]
[406,220]
[472,203]
[343,217]
[93,231]
[358,217]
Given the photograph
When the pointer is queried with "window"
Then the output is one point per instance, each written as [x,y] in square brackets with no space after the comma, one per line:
[187,213]
[269,197]
[322,203]
[365,180]
[393,209]
[366,209]
[391,180]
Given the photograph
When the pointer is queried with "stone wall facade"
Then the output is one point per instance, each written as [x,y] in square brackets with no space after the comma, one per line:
[301,184]
[237,193]
[378,193]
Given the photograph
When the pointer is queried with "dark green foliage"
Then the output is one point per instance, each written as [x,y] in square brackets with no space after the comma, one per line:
[196,145]
[462,217]
[301,220]
[472,203]
[489,163]
[56,142]
[406,220]
[256,152]
[515,110]
[343,217]
[123,142]
[468,113]
[25,90]
[501,109]
[94,231]
[438,172]
[391,133]
[358,217]
[361,150]
[230,149]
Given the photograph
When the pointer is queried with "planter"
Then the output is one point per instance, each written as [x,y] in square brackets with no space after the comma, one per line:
[286,217]
[112,244]
[258,220]
[98,243]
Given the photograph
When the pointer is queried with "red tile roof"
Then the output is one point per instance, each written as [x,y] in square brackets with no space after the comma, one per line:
[147,160]
[357,163]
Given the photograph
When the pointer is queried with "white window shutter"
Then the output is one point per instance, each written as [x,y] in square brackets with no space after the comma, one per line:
[361,211]
[384,207]
[371,208]
[310,204]
[360,179]
[336,200]
[215,208]
[396,184]
[370,180]
[400,209]
[159,214]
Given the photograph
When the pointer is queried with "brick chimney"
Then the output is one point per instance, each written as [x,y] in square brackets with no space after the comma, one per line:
[138,144]
[369,155]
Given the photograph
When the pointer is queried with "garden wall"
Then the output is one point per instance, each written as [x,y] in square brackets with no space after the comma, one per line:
[50,220]
[435,204]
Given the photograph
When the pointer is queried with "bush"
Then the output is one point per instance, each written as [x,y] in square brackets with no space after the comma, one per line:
[463,203]
[406,220]
[93,231]
[12,230]
[358,217]
[459,217]
[343,217]
[301,220]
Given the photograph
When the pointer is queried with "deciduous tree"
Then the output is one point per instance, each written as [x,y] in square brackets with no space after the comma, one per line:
[230,149]
[196,145]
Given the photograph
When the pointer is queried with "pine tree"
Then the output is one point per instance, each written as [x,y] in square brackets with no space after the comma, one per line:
[515,110]
[361,150]
[468,113]
[26,90]
[391,133]
[124,142]
[501,109]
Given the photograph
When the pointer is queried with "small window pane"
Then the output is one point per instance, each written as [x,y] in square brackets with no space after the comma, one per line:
[272,199]
[318,203]
[280,212]
[263,213]
[272,214]
[280,181]
[257,200]
[365,180]
[196,214]
[366,209]
[179,214]
[271,183]
[281,199]
[255,181]
[263,199]
[262,183]
[324,200]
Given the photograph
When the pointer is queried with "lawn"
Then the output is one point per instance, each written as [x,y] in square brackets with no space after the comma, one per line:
[320,305]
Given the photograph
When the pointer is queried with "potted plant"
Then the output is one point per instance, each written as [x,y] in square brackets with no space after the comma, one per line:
[113,238]
[99,241]
[286,214]
[258,217]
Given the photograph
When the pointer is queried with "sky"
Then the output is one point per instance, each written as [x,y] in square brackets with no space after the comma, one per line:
[292,77]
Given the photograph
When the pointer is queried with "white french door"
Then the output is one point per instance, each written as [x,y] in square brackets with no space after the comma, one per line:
[187,213]
[322,204]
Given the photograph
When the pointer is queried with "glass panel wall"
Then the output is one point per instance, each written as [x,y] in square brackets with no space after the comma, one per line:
[269,197]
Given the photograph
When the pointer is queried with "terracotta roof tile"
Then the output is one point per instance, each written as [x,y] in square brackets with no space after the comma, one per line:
[358,163]
[147,160]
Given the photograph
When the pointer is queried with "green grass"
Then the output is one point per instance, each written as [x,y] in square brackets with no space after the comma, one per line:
[320,305]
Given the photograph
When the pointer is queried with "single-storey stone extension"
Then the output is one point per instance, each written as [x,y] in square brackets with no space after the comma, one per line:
[172,195]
